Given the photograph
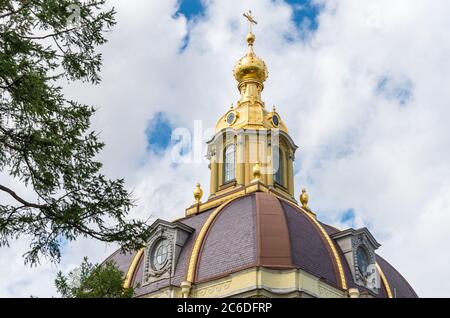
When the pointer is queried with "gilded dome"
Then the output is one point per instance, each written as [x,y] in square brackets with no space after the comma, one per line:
[251,67]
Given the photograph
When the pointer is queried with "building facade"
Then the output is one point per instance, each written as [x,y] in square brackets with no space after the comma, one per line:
[250,237]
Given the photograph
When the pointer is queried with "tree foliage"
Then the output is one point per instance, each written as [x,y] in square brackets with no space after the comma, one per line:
[46,143]
[93,281]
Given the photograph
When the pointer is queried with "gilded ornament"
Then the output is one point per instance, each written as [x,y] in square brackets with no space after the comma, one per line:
[198,194]
[304,199]
[256,172]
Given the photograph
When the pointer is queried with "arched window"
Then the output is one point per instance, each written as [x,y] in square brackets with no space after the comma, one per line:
[278,164]
[362,260]
[229,170]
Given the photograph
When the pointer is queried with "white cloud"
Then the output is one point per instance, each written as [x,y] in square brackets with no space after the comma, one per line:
[359,148]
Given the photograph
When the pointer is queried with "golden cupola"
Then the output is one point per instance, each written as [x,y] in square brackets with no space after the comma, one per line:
[251,148]
[250,112]
[251,68]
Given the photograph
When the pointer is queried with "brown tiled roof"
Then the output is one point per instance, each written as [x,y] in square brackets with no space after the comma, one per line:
[260,230]
[309,250]
[231,243]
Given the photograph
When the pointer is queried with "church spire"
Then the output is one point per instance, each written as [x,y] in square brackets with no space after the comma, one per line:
[251,71]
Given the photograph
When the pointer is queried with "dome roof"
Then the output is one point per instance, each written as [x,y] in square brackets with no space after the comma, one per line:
[251,67]
[261,230]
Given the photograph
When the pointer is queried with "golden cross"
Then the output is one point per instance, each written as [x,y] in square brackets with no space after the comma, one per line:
[251,20]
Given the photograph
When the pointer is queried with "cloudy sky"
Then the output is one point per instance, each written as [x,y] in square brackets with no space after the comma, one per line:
[364,87]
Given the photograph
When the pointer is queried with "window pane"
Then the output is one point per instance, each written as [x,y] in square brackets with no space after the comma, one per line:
[278,163]
[229,164]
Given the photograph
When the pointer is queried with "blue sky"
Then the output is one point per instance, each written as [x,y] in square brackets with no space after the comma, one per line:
[399,91]
[159,132]
[190,8]
[305,14]
[348,217]
[304,10]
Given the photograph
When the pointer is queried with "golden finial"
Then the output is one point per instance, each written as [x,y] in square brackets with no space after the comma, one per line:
[251,38]
[198,193]
[232,106]
[304,198]
[250,68]
[256,172]
[274,109]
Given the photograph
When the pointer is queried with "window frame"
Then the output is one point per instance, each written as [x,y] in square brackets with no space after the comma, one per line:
[278,176]
[232,177]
